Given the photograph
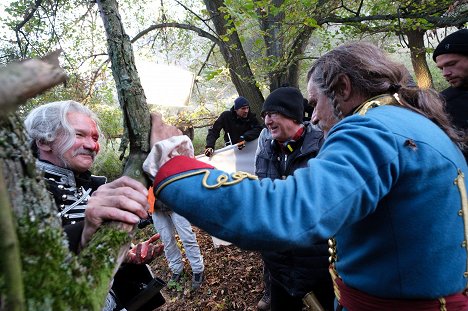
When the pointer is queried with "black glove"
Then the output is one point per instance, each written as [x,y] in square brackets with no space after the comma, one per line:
[209,151]
[241,144]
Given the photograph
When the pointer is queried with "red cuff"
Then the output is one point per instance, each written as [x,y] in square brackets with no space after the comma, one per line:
[176,165]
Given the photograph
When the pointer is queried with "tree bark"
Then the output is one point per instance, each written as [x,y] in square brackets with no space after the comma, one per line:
[9,246]
[34,76]
[284,54]
[26,79]
[418,58]
[234,55]
[131,95]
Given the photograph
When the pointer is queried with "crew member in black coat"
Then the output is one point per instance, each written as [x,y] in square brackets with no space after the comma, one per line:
[238,124]
[286,145]
[451,56]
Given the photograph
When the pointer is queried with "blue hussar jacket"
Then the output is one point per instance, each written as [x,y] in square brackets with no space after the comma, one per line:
[388,186]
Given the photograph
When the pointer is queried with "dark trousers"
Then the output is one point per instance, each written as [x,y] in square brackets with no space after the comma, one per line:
[281,300]
[266,280]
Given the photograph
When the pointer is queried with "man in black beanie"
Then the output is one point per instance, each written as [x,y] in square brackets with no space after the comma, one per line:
[284,146]
[238,124]
[451,56]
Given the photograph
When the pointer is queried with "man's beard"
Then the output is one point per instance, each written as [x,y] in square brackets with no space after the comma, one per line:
[330,122]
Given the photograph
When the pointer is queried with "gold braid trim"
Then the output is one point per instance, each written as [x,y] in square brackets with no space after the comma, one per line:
[334,276]
[376,101]
[222,180]
[460,182]
[443,306]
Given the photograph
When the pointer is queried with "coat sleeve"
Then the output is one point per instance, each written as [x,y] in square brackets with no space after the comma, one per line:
[342,185]
[262,138]
[255,130]
[214,131]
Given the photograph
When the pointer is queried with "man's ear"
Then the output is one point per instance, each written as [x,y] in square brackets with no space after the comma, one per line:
[42,146]
[344,87]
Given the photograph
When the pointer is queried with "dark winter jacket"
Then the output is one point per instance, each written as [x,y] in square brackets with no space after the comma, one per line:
[298,271]
[457,108]
[230,123]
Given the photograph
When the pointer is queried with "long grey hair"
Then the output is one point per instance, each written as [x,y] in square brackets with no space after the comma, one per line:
[49,124]
[373,73]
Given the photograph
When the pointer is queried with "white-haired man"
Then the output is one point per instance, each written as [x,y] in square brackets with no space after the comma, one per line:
[64,136]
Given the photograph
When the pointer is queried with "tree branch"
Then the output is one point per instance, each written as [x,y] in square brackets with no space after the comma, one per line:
[24,80]
[196,15]
[26,19]
[199,31]
[206,59]
[437,21]
[29,15]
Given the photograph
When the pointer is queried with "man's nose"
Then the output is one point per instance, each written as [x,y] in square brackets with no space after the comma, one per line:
[91,144]
[446,72]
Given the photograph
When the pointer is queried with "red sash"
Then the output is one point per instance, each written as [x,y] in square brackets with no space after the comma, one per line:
[355,300]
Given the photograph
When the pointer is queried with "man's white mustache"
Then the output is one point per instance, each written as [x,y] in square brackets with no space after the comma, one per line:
[83,151]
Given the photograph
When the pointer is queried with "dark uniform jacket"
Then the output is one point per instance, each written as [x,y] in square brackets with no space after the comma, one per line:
[71,192]
[236,127]
[298,271]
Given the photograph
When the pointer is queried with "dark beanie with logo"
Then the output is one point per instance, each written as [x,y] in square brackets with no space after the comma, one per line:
[286,100]
[454,43]
[240,102]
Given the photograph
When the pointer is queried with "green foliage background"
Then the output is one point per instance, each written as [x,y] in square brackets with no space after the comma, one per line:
[76,27]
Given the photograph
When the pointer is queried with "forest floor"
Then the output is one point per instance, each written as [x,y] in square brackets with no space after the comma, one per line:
[233,279]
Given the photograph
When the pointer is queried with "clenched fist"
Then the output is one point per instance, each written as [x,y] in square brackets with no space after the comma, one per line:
[209,152]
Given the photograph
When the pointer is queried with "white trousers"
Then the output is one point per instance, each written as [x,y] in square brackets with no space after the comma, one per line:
[168,224]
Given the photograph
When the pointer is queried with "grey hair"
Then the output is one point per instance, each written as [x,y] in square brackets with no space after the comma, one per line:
[373,73]
[49,124]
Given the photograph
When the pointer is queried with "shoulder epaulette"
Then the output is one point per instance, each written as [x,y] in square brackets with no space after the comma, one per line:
[374,102]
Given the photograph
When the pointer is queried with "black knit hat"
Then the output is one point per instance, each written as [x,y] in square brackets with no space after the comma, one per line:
[454,43]
[240,102]
[286,100]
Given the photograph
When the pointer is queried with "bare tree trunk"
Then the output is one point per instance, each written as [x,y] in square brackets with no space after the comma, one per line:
[10,261]
[418,57]
[131,95]
[274,42]
[284,58]
[234,55]
[19,81]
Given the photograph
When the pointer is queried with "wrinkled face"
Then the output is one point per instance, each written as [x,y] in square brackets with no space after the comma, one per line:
[243,112]
[323,114]
[454,68]
[281,127]
[80,156]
